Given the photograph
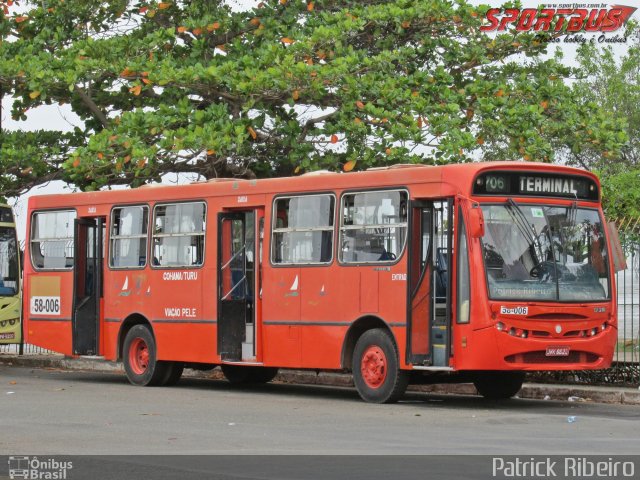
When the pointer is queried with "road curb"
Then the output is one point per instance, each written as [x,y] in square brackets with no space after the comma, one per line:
[534,391]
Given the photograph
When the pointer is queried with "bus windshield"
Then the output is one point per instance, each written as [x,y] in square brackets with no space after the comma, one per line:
[539,252]
[8,262]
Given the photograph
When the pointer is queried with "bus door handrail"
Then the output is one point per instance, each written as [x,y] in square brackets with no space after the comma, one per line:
[233,257]
[240,282]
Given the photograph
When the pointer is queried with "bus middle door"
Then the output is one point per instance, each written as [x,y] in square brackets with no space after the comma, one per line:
[238,281]
[429,340]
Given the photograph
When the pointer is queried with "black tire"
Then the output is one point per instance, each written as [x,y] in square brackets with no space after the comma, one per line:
[139,355]
[376,371]
[259,375]
[498,385]
[243,375]
[236,374]
[174,372]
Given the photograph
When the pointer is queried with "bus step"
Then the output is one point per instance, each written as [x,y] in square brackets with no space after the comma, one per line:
[435,369]
[247,351]
[248,332]
[440,355]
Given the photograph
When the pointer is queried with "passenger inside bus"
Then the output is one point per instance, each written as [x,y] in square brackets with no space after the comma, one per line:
[386,255]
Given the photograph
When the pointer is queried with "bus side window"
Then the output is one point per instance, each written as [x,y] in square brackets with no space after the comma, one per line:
[179,234]
[303,229]
[374,226]
[52,239]
[129,226]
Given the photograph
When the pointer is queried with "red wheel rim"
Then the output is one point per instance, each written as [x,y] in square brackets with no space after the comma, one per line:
[373,366]
[139,356]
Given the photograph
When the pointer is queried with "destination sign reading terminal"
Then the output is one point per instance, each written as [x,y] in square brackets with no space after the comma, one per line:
[535,184]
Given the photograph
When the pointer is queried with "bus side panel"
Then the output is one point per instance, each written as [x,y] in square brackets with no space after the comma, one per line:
[170,299]
[322,313]
[281,316]
[332,298]
[393,302]
[109,335]
[186,343]
[48,308]
[125,293]
[184,325]
[374,291]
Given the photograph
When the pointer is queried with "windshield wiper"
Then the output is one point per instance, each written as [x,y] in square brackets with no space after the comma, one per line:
[572,213]
[533,235]
[527,230]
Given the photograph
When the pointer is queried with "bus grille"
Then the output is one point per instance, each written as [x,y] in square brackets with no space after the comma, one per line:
[557,317]
[541,357]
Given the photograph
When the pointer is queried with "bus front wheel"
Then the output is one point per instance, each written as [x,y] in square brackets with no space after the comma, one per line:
[140,362]
[376,371]
[498,385]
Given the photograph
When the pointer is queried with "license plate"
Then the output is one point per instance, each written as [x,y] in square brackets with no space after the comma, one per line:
[558,351]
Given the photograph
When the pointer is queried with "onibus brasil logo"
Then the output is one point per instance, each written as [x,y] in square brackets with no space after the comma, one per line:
[32,468]
[570,18]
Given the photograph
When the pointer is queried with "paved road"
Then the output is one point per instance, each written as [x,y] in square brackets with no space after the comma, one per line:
[63,412]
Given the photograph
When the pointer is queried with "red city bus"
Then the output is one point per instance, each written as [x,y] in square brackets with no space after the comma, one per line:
[421,274]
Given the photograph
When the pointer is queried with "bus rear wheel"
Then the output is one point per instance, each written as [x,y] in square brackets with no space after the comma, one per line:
[140,362]
[235,374]
[262,374]
[376,371]
[498,385]
[173,374]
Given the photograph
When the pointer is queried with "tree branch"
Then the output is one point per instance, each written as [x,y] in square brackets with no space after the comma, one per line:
[91,105]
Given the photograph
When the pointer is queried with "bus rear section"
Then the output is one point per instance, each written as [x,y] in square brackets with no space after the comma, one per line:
[10,294]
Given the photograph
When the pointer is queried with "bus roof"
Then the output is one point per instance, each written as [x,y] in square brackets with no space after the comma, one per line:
[454,178]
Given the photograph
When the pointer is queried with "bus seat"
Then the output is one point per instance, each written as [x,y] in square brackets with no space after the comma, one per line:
[442,275]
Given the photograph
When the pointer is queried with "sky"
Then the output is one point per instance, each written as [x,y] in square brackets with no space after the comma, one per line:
[64,119]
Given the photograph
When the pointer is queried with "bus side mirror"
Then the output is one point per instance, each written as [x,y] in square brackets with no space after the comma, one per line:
[476,222]
[619,259]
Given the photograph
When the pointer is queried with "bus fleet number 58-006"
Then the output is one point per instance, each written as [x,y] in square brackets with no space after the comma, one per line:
[45,305]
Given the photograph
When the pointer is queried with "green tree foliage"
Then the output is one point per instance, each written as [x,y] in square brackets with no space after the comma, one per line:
[287,87]
[621,194]
[612,83]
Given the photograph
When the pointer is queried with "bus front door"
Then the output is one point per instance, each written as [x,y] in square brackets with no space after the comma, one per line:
[237,284]
[87,285]
[429,340]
